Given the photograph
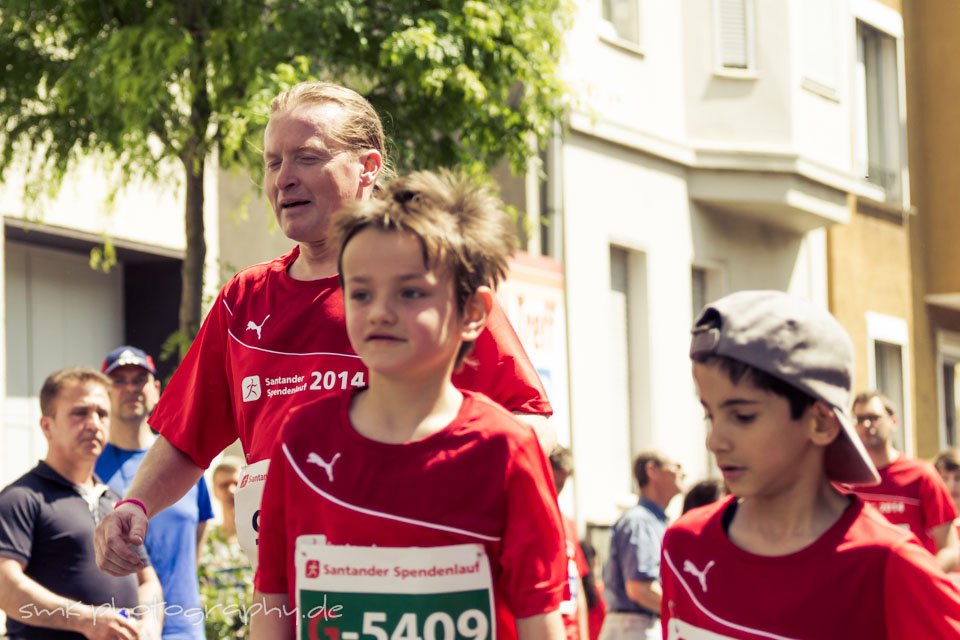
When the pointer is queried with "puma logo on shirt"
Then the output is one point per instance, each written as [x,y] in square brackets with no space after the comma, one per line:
[691,568]
[252,326]
[313,458]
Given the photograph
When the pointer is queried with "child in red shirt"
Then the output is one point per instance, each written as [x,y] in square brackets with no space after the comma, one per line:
[787,555]
[409,508]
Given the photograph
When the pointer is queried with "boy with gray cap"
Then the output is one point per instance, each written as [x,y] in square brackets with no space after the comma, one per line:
[787,555]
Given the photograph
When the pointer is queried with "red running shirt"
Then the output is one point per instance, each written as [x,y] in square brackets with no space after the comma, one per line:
[911,495]
[271,343]
[863,578]
[483,480]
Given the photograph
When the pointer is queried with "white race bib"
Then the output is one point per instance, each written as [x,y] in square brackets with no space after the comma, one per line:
[247,499]
[384,593]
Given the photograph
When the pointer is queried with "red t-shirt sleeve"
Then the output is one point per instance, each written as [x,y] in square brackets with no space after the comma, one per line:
[274,559]
[500,368]
[936,502]
[533,559]
[920,602]
[195,412]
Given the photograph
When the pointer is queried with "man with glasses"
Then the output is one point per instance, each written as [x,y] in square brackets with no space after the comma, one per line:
[632,573]
[911,494]
[176,533]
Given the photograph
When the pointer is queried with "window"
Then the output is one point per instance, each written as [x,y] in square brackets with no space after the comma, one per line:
[948,361]
[888,359]
[734,34]
[620,378]
[629,343]
[951,396]
[877,110]
[888,340]
[698,290]
[550,223]
[621,21]
[706,285]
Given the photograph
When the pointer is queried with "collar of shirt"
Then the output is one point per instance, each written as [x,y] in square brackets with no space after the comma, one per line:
[47,472]
[653,508]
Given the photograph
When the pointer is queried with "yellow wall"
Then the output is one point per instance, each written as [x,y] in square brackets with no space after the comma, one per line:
[869,270]
[933,96]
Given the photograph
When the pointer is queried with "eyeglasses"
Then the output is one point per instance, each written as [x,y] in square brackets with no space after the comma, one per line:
[872,418]
[674,468]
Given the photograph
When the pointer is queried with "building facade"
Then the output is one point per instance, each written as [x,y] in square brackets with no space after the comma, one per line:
[932,92]
[59,311]
[714,145]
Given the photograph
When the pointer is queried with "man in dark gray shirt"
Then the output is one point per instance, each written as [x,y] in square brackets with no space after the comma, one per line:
[50,586]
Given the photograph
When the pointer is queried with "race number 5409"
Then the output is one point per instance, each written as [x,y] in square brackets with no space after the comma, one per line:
[439,625]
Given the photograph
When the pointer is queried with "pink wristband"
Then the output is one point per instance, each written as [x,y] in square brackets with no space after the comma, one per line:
[142,506]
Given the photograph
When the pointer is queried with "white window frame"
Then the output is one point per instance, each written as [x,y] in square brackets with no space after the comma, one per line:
[608,31]
[880,17]
[892,330]
[948,347]
[750,71]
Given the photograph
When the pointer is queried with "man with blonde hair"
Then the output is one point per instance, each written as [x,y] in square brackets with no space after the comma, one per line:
[275,337]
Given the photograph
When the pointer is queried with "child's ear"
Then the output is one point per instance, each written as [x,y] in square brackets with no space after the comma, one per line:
[475,313]
[826,425]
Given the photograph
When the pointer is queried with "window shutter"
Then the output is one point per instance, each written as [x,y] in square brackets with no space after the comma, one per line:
[733,33]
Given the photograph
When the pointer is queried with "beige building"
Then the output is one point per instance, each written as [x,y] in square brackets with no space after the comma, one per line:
[933,92]
[869,281]
[894,271]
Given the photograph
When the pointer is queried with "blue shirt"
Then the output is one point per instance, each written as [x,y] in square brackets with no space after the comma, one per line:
[635,543]
[171,543]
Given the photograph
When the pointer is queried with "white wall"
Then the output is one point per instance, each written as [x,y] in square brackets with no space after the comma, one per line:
[59,313]
[628,96]
[144,213]
[752,109]
[639,203]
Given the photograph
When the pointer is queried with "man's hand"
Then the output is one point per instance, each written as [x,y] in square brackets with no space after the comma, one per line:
[110,625]
[164,476]
[115,537]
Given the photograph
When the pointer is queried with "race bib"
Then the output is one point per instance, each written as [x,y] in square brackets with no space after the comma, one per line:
[569,606]
[383,593]
[247,500]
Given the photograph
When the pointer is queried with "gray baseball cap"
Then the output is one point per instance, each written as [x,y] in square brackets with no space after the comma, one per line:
[799,343]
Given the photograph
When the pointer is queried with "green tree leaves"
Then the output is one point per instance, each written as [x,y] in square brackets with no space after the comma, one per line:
[143,82]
